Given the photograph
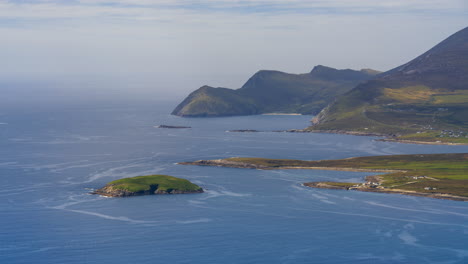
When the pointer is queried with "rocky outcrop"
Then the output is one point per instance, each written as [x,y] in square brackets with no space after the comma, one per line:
[111,191]
[321,185]
[377,189]
[244,130]
[167,126]
[225,163]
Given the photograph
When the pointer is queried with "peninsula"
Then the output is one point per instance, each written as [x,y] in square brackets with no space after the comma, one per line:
[443,176]
[148,185]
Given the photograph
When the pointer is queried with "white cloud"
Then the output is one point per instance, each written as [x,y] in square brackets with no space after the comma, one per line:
[135,8]
[173,45]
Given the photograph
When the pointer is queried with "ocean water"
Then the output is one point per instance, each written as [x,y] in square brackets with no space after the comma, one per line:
[52,156]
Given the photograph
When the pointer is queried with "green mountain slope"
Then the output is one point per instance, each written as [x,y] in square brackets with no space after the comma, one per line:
[425,99]
[274,91]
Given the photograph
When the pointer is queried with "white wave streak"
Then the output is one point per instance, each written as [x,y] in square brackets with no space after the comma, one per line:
[327,201]
[385,218]
[213,194]
[74,199]
[117,218]
[16,193]
[117,171]
[52,166]
[93,164]
[30,188]
[8,163]
[195,221]
[43,249]
[417,210]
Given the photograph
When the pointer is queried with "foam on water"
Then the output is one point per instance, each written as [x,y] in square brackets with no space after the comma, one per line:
[52,159]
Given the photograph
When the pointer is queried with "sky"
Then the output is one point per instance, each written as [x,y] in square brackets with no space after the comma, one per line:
[167,48]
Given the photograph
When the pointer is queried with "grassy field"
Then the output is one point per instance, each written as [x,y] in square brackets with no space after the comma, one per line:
[412,113]
[147,183]
[428,173]
[436,136]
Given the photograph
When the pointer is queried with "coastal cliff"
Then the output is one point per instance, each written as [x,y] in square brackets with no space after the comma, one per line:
[274,92]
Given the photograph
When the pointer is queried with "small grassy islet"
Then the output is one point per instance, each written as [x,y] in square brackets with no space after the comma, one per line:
[145,183]
[150,184]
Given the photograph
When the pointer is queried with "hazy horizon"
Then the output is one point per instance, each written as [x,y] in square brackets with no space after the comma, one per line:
[166,49]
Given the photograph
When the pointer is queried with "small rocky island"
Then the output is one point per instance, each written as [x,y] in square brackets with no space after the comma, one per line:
[148,185]
[173,127]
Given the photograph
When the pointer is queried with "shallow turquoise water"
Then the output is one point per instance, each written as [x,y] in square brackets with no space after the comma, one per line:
[52,156]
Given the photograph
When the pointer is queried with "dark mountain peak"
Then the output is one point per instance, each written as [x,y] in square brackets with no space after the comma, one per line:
[321,69]
[266,74]
[445,65]
[262,76]
[370,71]
[328,73]
[417,100]
[273,91]
[204,88]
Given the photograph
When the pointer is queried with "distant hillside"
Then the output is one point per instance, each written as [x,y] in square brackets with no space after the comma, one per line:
[274,91]
[425,99]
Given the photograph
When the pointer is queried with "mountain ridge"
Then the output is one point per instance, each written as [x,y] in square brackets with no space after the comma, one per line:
[273,91]
[416,101]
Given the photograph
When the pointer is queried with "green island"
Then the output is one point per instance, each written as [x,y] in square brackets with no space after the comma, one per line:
[443,176]
[148,185]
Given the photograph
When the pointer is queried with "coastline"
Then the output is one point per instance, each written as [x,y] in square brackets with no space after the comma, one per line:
[386,137]
[244,165]
[404,141]
[426,181]
[361,188]
[286,114]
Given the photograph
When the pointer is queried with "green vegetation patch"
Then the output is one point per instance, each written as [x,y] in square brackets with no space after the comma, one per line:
[152,182]
[424,173]
[341,184]
[457,97]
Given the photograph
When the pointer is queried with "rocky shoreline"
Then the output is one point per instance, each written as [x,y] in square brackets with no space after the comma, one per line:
[386,137]
[148,185]
[343,132]
[403,141]
[173,127]
[375,183]
[372,188]
[110,191]
[225,163]
[244,131]
[245,165]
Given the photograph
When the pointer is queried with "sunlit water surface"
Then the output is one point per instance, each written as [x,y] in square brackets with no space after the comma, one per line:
[51,157]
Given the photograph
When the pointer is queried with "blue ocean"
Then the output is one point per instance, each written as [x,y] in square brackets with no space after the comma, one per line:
[53,155]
